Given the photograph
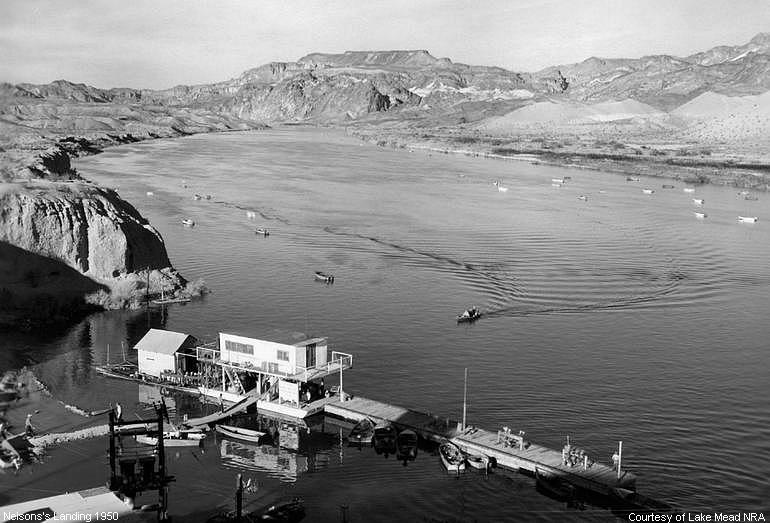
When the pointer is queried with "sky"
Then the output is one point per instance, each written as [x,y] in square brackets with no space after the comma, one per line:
[161,43]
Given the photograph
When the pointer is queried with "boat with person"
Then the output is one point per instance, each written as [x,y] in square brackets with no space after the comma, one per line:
[187,222]
[451,457]
[362,433]
[698,201]
[262,231]
[700,215]
[406,445]
[648,191]
[324,277]
[244,434]
[748,219]
[469,315]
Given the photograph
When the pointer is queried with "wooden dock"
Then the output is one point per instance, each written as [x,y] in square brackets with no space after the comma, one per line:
[510,450]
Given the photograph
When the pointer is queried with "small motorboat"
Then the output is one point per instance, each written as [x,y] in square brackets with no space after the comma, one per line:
[469,315]
[632,178]
[240,433]
[322,276]
[362,434]
[751,198]
[169,440]
[406,445]
[700,215]
[698,201]
[689,189]
[560,181]
[555,185]
[583,197]
[668,186]
[208,196]
[384,439]
[451,457]
[748,219]
[262,231]
[478,461]
[743,193]
[187,222]
[565,178]
[197,197]
[150,193]
[500,188]
[648,191]
[554,486]
[251,215]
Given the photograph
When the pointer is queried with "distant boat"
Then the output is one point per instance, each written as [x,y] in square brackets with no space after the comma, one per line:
[743,193]
[251,215]
[555,184]
[751,198]
[197,197]
[748,219]
[668,186]
[565,178]
[187,222]
[583,197]
[557,180]
[698,201]
[469,315]
[699,214]
[451,457]
[262,231]
[632,178]
[150,193]
[648,191]
[240,433]
[602,191]
[322,276]
[500,188]
[688,189]
[208,196]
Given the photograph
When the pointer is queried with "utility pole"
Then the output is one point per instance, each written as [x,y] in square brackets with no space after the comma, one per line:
[465,395]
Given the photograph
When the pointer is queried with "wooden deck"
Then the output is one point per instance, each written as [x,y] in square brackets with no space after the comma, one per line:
[596,478]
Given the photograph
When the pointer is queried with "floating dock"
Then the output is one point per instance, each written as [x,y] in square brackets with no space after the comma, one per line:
[510,450]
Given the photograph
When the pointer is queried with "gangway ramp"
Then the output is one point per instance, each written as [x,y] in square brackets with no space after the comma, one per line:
[241,406]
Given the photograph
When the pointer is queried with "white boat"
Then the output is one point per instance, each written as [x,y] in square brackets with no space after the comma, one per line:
[197,197]
[240,433]
[632,178]
[743,193]
[150,193]
[648,191]
[698,201]
[451,457]
[262,231]
[251,215]
[583,197]
[480,462]
[555,184]
[748,219]
[688,189]
[500,188]
[557,180]
[187,222]
[170,441]
[700,215]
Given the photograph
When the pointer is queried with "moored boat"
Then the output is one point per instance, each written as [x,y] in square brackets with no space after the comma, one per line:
[469,315]
[240,433]
[633,499]
[406,445]
[632,178]
[555,184]
[500,188]
[648,191]
[748,219]
[322,276]
[689,189]
[698,201]
[451,457]
[362,434]
[169,441]
[384,439]
[187,222]
[197,197]
[700,215]
[557,180]
[262,231]
[478,461]
[583,197]
[751,198]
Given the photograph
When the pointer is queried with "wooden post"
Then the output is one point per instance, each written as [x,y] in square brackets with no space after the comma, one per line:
[113,475]
[239,497]
[620,456]
[465,396]
[585,462]
[342,394]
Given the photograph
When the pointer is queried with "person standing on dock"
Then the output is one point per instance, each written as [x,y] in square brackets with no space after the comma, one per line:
[29,429]
[118,412]
[615,460]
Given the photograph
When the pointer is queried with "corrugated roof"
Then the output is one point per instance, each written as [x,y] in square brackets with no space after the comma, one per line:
[161,341]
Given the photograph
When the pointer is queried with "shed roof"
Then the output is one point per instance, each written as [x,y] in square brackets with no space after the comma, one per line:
[162,341]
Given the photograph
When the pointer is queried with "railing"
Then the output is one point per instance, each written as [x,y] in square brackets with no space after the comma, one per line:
[338,360]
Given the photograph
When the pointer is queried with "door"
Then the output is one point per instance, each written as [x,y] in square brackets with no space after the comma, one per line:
[310,356]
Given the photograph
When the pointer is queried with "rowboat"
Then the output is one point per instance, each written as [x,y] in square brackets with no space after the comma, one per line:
[698,201]
[262,231]
[700,215]
[362,434]
[451,457]
[384,439]
[187,222]
[169,441]
[322,276]
[748,219]
[240,433]
[406,445]
[688,189]
[469,315]
[480,462]
[648,191]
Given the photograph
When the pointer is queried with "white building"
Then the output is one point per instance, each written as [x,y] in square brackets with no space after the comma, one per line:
[162,351]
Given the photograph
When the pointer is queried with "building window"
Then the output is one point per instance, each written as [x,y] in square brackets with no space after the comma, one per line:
[234,346]
[283,355]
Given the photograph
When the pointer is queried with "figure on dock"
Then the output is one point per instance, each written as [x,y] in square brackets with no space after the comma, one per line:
[29,429]
[615,460]
[118,412]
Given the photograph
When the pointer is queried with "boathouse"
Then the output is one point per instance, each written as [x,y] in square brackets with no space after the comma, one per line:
[161,352]
[292,354]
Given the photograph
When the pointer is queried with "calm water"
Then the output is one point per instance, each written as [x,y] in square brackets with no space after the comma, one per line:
[620,318]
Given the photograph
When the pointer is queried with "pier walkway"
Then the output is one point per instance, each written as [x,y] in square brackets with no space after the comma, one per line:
[511,451]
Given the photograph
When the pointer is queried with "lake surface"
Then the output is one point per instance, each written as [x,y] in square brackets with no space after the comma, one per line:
[623,317]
